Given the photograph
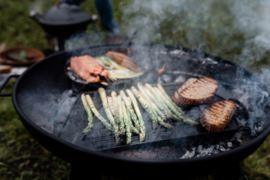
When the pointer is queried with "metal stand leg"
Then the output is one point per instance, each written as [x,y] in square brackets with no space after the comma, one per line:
[81,173]
[61,43]
[232,173]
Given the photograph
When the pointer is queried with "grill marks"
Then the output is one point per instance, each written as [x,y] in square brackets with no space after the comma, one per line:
[218,115]
[196,91]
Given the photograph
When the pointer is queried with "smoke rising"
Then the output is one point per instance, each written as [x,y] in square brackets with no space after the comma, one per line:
[243,24]
[253,19]
[83,40]
[40,5]
[151,19]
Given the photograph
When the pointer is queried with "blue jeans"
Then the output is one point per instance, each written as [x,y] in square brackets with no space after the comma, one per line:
[104,8]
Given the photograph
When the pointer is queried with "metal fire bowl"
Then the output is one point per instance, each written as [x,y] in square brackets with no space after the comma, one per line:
[44,82]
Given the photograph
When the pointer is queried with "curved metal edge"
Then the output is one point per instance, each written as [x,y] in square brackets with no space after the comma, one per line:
[236,153]
[43,23]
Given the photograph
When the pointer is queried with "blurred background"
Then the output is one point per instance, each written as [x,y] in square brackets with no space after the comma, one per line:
[238,30]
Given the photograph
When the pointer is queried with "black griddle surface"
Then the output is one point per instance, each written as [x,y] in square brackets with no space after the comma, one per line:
[102,139]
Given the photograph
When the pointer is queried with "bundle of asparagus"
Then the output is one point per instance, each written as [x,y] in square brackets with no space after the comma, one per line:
[159,105]
[124,114]
[108,112]
[120,113]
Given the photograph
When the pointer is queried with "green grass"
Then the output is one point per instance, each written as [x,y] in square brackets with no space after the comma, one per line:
[256,166]
[215,31]
[21,157]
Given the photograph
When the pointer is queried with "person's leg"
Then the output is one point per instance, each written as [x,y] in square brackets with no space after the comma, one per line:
[105,12]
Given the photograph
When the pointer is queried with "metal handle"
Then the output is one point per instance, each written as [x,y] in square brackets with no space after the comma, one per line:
[5,83]
[34,15]
[129,39]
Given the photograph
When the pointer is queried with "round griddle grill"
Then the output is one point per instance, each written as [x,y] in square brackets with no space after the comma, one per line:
[43,90]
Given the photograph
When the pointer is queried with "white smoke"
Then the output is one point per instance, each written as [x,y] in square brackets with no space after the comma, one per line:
[84,40]
[253,19]
[40,5]
[148,18]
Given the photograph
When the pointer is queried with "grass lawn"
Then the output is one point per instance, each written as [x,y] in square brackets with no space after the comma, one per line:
[230,29]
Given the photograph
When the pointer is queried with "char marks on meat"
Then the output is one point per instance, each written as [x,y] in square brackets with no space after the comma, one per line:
[218,115]
[196,91]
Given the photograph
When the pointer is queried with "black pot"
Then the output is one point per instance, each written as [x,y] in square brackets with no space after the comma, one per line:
[40,87]
[63,20]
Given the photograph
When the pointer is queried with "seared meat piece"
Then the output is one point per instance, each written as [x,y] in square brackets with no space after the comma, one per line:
[124,61]
[88,68]
[196,91]
[218,115]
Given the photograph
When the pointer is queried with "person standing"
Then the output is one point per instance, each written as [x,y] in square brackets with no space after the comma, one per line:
[104,8]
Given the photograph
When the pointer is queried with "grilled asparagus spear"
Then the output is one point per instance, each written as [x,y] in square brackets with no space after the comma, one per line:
[111,106]
[94,110]
[138,112]
[161,117]
[121,117]
[127,123]
[153,97]
[130,109]
[114,98]
[103,97]
[145,106]
[114,108]
[151,104]
[89,115]
[167,125]
[133,128]
[159,101]
[176,110]
[163,92]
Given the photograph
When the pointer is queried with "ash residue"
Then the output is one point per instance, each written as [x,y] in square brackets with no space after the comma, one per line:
[207,148]
[184,148]
[168,152]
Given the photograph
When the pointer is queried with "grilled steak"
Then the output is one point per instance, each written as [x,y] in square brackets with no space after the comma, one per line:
[196,91]
[218,115]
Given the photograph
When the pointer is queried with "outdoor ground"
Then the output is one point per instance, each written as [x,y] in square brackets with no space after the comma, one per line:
[223,28]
